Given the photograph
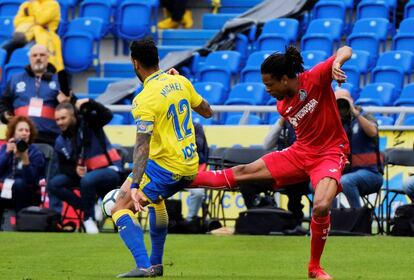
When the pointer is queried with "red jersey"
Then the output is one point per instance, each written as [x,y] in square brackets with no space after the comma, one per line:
[313,111]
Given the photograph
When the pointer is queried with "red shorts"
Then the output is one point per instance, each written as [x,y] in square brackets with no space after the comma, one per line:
[291,166]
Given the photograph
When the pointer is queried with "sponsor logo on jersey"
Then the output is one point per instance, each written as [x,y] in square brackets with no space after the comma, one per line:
[20,87]
[308,108]
[302,94]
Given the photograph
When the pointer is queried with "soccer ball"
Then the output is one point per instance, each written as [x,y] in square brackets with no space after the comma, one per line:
[109,201]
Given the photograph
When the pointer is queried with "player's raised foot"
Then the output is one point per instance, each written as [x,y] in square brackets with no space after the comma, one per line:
[158,269]
[318,273]
[138,273]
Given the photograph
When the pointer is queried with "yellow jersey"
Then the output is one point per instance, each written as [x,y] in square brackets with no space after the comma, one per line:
[164,106]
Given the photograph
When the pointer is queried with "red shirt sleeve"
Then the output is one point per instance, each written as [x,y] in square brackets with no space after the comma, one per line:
[322,73]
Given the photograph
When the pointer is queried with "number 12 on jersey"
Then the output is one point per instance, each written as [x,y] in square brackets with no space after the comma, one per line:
[183,108]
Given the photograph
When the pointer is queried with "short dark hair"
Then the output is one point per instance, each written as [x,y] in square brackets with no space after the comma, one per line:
[66,106]
[146,52]
[12,124]
[278,64]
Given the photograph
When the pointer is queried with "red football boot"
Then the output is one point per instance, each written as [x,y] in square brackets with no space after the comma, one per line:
[318,273]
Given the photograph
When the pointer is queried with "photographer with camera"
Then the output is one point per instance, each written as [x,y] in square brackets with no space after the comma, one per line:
[21,166]
[363,174]
[35,93]
[86,157]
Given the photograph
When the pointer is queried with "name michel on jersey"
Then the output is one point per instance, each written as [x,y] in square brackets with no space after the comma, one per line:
[171,87]
[308,108]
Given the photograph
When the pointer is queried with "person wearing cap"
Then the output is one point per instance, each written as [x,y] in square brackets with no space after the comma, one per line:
[363,174]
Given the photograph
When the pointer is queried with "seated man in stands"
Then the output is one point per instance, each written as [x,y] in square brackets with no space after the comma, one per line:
[86,157]
[176,14]
[22,165]
[35,93]
[364,173]
[37,20]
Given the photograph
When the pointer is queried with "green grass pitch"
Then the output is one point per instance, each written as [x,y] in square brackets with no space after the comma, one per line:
[65,256]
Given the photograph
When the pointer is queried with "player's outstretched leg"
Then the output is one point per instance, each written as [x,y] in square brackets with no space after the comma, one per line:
[158,218]
[131,234]
[219,179]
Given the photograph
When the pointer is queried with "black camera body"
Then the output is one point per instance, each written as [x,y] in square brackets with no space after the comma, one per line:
[21,145]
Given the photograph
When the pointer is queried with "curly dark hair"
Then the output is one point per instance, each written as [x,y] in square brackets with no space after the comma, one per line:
[289,63]
[12,124]
[145,51]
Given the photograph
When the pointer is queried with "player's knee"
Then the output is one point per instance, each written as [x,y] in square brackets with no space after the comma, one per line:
[321,208]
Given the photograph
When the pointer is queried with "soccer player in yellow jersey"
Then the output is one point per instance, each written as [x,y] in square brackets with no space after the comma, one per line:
[165,155]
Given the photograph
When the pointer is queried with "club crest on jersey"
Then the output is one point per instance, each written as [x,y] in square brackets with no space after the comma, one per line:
[302,94]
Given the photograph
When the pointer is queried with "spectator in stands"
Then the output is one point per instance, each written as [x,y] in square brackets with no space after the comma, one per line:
[280,136]
[22,165]
[37,20]
[176,14]
[197,195]
[408,187]
[363,175]
[86,157]
[35,93]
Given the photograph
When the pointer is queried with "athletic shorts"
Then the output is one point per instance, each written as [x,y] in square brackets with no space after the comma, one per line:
[292,165]
[158,183]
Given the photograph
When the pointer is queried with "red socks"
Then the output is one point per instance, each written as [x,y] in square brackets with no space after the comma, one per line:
[319,233]
[217,179]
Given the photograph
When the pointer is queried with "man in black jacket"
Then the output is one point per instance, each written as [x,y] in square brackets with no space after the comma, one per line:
[86,157]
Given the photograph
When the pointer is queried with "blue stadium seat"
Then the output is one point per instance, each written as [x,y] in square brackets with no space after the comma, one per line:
[201,120]
[389,74]
[277,34]
[377,94]
[93,26]
[273,118]
[99,9]
[317,42]
[408,121]
[220,74]
[247,94]
[6,28]
[9,7]
[365,42]
[375,26]
[213,92]
[402,59]
[409,10]
[236,118]
[133,19]
[360,59]
[117,119]
[251,72]
[404,39]
[216,21]
[18,61]
[118,70]
[311,58]
[406,97]
[372,9]
[226,59]
[182,37]
[384,120]
[78,61]
[327,26]
[330,9]
[242,46]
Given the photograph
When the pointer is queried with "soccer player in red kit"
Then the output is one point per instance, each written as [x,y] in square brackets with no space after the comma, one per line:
[306,100]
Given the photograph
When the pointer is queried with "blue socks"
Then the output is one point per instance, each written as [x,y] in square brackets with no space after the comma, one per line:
[132,236]
[158,219]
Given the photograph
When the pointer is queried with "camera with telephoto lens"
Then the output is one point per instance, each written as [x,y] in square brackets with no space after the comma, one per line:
[21,145]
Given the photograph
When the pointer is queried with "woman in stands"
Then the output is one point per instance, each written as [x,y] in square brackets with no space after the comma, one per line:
[21,166]
[307,101]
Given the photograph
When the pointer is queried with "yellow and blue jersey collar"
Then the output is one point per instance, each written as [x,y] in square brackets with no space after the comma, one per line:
[153,76]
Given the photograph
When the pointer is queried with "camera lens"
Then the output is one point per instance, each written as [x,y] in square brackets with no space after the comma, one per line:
[21,145]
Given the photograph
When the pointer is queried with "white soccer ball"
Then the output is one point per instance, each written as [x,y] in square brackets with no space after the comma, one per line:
[109,201]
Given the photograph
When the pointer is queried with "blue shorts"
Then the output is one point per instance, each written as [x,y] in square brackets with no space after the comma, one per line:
[158,183]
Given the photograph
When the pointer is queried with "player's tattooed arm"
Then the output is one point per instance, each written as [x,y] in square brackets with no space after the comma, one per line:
[204,109]
[141,152]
